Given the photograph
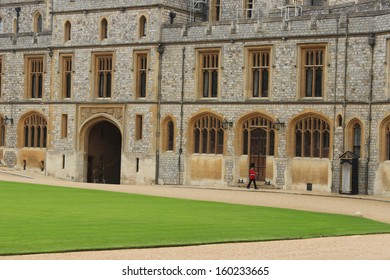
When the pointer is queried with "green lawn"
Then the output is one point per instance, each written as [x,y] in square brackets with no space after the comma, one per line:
[38,218]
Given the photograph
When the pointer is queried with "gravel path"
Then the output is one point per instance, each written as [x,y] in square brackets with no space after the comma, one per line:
[374,247]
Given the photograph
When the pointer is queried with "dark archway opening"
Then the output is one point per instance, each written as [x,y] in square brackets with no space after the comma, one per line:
[104,154]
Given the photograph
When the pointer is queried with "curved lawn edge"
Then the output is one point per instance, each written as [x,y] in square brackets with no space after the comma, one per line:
[37,219]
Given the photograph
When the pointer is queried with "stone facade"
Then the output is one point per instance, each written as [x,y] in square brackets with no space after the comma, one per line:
[354,36]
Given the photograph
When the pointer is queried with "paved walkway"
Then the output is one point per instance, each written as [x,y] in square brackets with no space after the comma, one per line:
[351,247]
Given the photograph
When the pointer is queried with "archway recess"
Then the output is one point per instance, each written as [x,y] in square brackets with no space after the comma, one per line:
[103,153]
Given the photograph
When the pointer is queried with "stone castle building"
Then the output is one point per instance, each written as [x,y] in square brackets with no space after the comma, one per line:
[195,91]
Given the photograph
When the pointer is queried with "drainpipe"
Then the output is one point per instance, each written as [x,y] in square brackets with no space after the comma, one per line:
[345,83]
[160,50]
[181,115]
[335,91]
[371,42]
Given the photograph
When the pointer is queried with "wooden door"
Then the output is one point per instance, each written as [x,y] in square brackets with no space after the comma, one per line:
[258,151]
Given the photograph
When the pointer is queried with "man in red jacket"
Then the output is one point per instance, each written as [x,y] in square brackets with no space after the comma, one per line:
[252,176]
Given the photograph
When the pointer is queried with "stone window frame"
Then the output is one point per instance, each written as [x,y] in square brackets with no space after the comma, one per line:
[34,131]
[142,30]
[34,68]
[64,126]
[103,29]
[67,31]
[313,129]
[107,92]
[169,133]
[384,140]
[207,127]
[303,50]
[14,25]
[138,127]
[249,61]
[255,121]
[37,22]
[201,69]
[3,132]
[216,10]
[352,141]
[141,60]
[248,7]
[66,69]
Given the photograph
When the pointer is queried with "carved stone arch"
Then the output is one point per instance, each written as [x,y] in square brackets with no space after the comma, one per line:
[169,133]
[37,21]
[143,20]
[384,139]
[67,31]
[101,144]
[29,120]
[88,123]
[314,125]
[209,122]
[351,138]
[260,118]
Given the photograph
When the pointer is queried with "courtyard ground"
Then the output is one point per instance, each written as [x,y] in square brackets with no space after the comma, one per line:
[375,247]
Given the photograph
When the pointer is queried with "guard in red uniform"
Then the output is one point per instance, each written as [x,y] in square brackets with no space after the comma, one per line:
[252,177]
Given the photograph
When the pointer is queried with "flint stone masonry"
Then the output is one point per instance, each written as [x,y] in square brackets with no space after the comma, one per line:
[355,35]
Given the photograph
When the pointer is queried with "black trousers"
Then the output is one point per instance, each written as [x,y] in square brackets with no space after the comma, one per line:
[250,181]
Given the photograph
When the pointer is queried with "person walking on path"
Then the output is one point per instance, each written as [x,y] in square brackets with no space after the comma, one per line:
[252,176]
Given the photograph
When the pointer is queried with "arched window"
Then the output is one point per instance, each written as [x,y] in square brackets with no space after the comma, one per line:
[103,29]
[2,132]
[142,26]
[14,26]
[38,23]
[35,132]
[312,138]
[1,25]
[267,132]
[356,139]
[168,140]
[67,31]
[339,120]
[387,143]
[208,135]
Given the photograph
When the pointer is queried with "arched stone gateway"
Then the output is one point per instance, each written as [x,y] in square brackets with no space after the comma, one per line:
[103,146]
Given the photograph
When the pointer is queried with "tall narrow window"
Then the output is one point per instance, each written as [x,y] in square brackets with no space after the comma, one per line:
[67,31]
[312,138]
[14,26]
[215,11]
[2,132]
[1,25]
[259,76]
[138,127]
[142,74]
[103,75]
[64,126]
[208,135]
[38,23]
[142,26]
[170,136]
[103,29]
[248,8]
[209,74]
[357,134]
[67,68]
[312,72]
[35,132]
[35,77]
